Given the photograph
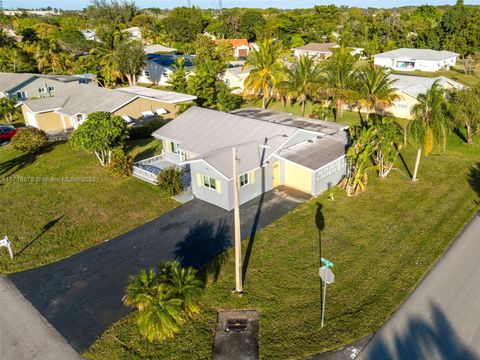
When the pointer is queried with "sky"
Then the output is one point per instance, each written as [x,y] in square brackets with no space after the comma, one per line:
[78,4]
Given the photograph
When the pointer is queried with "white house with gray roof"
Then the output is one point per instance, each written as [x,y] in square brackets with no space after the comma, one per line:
[272,149]
[407,59]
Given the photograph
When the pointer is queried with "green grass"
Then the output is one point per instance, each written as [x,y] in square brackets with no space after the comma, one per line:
[455,73]
[382,242]
[48,221]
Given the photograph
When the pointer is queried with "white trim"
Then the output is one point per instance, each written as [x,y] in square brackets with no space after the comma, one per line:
[206,162]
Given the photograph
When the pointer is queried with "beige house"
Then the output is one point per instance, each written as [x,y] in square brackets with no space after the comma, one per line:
[409,87]
[68,110]
[235,78]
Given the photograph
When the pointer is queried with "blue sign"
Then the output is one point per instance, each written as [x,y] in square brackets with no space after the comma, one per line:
[326,262]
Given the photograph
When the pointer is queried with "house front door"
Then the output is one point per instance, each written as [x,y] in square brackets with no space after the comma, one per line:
[276,173]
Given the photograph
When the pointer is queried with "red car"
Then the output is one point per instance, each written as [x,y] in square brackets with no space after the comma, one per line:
[7,132]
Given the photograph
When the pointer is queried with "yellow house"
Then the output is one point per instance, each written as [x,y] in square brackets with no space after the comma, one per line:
[68,110]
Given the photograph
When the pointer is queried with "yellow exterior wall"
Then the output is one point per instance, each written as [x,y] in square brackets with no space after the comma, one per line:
[48,121]
[135,108]
[297,177]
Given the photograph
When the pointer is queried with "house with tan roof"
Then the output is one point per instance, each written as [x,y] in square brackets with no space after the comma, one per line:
[240,47]
[272,149]
[66,111]
[323,51]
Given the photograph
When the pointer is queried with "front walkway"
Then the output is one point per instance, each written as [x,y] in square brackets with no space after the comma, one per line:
[81,296]
[24,333]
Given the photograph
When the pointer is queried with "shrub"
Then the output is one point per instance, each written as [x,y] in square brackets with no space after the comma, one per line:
[170,181]
[120,163]
[156,124]
[29,140]
[140,132]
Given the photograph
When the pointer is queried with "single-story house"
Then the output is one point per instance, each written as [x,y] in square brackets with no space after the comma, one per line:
[66,111]
[240,47]
[25,85]
[406,59]
[159,67]
[409,87]
[323,51]
[235,77]
[158,49]
[272,149]
[135,33]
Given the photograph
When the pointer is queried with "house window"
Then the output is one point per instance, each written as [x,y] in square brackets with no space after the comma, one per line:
[209,182]
[146,73]
[51,88]
[244,179]
[164,74]
[21,94]
[41,90]
[174,147]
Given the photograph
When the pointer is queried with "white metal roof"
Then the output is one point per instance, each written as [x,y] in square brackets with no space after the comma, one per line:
[170,97]
[417,54]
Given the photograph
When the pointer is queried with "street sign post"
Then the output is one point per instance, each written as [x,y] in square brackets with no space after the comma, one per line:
[327,276]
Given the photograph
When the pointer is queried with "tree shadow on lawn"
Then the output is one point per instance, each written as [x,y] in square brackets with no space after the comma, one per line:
[474,179]
[437,337]
[45,228]
[10,167]
[204,248]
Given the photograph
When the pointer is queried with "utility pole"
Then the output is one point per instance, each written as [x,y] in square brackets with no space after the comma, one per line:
[238,239]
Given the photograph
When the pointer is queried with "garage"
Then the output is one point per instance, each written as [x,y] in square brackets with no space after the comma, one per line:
[297,177]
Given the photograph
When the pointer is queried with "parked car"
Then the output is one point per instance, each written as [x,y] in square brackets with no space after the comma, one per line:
[7,132]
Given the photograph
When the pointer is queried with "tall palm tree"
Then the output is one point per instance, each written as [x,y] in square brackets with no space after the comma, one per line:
[428,121]
[375,89]
[339,73]
[266,70]
[302,78]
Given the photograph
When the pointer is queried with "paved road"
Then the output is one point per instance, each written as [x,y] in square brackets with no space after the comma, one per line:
[24,333]
[81,295]
[441,317]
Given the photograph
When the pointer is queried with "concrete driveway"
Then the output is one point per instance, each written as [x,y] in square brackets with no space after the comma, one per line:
[81,295]
[24,333]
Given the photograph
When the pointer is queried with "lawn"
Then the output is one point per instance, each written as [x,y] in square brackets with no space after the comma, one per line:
[78,205]
[382,243]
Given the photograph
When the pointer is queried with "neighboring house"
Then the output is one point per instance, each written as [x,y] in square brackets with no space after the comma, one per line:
[24,85]
[323,51]
[69,109]
[272,149]
[159,49]
[240,47]
[406,59]
[89,35]
[159,67]
[135,33]
[235,78]
[13,35]
[409,87]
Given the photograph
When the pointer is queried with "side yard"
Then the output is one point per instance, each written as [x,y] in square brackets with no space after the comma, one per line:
[382,242]
[62,201]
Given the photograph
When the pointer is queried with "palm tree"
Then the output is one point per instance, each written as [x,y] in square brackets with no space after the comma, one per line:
[339,73]
[141,290]
[428,121]
[163,318]
[266,70]
[184,285]
[375,89]
[388,143]
[302,77]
